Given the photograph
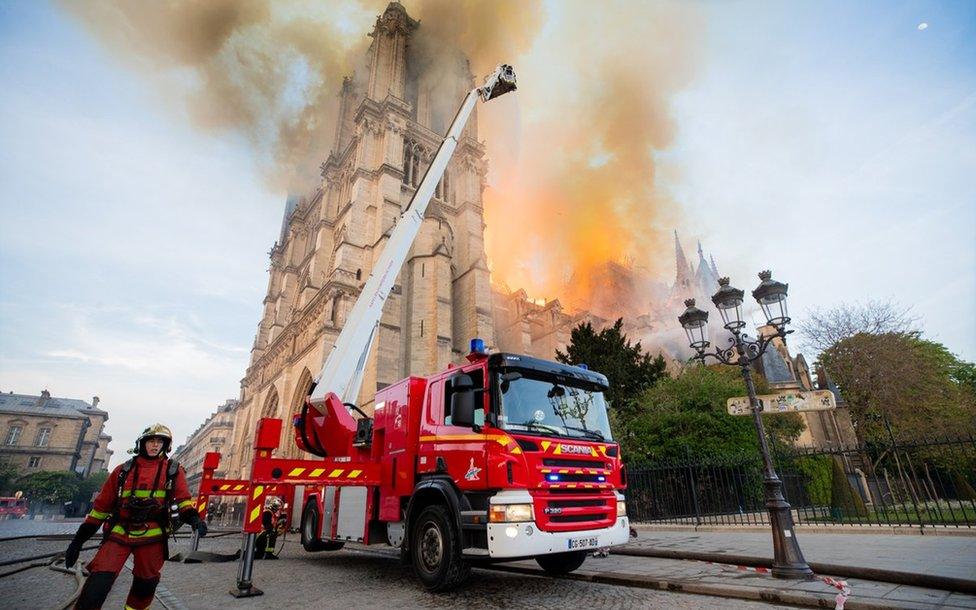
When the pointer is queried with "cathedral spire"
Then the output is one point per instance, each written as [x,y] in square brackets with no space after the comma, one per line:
[682,275]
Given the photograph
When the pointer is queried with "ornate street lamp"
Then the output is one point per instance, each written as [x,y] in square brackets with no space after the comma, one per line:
[788,561]
[772,298]
[728,301]
[695,323]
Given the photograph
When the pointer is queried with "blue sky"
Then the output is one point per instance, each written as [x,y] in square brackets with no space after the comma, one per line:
[833,142]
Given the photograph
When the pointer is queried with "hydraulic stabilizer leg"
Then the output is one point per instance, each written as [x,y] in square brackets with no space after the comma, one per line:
[245,588]
[195,541]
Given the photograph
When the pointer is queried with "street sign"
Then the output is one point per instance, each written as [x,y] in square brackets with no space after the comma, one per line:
[787,401]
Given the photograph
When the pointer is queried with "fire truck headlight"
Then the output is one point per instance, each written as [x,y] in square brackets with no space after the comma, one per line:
[621,509]
[510,513]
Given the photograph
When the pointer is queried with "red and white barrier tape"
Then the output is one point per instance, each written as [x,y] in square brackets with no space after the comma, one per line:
[844,589]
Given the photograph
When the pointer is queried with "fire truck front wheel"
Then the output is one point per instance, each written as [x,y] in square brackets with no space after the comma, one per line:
[310,531]
[436,550]
[561,563]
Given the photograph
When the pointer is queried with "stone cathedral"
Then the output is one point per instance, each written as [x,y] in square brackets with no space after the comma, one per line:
[392,117]
[391,121]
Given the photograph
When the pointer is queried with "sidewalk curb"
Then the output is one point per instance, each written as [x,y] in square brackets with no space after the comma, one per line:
[904,530]
[911,579]
[780,596]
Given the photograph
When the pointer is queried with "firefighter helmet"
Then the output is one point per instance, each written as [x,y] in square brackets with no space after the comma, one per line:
[155,431]
[274,504]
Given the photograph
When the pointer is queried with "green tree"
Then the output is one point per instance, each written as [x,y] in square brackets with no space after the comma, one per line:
[628,369]
[8,478]
[49,486]
[687,415]
[844,499]
[902,382]
[88,487]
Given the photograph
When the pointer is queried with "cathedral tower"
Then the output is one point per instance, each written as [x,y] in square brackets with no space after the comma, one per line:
[391,120]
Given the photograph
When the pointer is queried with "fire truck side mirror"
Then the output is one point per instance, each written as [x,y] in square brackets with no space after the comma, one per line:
[462,401]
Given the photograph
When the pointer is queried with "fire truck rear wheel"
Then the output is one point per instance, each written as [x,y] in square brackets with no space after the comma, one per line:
[436,550]
[561,563]
[310,529]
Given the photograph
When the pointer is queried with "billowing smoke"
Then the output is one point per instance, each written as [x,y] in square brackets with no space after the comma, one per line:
[574,183]
[580,171]
[268,70]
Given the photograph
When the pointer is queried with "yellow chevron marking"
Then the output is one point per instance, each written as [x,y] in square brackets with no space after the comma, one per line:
[564,471]
[546,470]
[296,471]
[335,473]
[517,450]
[354,474]
[317,472]
[258,490]
[545,445]
[579,471]
[571,485]
[603,449]
[588,485]
[238,487]
[558,451]
[202,507]
[593,452]
[224,487]
[255,512]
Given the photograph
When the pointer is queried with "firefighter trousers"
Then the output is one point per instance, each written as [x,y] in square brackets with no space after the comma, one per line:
[264,546]
[147,560]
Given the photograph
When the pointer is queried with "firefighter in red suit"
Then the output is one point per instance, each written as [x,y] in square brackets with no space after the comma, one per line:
[273,523]
[133,508]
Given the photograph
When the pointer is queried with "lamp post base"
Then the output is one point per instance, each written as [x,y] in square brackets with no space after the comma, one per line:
[788,560]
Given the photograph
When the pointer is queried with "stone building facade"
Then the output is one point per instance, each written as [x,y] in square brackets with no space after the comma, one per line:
[392,118]
[46,433]
[214,434]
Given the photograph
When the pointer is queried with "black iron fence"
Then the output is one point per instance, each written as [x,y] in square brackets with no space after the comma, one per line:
[920,483]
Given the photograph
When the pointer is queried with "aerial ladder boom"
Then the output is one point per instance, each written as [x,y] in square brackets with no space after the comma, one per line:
[338,385]
[342,373]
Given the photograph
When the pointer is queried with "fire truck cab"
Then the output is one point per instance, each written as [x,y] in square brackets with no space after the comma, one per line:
[506,457]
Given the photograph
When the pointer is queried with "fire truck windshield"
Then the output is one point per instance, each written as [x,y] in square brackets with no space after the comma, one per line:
[535,403]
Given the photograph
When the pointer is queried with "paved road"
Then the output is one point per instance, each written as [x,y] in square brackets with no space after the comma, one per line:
[346,579]
[952,556]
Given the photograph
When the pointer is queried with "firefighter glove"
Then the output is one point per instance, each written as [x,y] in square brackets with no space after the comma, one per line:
[85,531]
[192,518]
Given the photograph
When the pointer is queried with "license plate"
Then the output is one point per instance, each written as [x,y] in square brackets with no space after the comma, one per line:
[582,543]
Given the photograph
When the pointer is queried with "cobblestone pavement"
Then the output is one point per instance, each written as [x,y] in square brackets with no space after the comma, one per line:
[345,579]
[368,578]
[940,555]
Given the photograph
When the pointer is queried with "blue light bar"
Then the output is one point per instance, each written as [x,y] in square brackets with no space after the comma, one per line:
[553,477]
[601,479]
[477,346]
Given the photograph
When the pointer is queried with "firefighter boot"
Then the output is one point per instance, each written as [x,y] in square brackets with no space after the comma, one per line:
[95,591]
[260,544]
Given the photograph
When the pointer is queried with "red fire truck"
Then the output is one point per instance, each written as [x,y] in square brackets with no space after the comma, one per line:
[506,457]
[13,507]
[501,458]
